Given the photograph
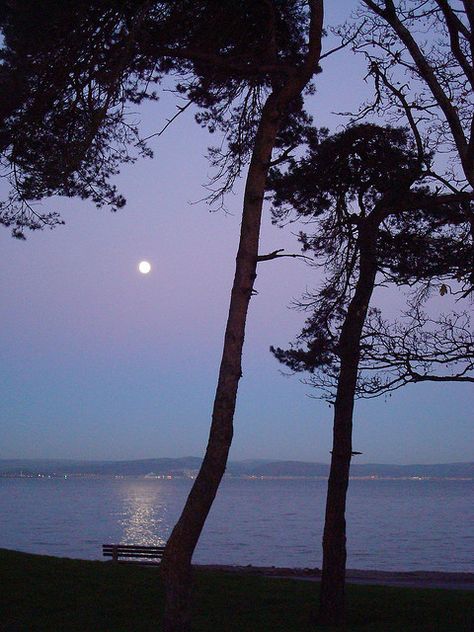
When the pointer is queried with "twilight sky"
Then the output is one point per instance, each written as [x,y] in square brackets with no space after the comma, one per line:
[100,362]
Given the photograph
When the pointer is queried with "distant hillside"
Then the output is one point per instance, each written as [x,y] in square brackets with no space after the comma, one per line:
[286,468]
[305,469]
[441,470]
[187,466]
[177,467]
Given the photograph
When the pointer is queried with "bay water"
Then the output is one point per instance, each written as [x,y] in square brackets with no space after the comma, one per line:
[391,524]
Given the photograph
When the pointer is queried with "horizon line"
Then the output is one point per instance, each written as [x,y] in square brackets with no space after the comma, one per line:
[269,460]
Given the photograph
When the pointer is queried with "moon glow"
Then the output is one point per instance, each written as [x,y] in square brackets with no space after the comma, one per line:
[144,267]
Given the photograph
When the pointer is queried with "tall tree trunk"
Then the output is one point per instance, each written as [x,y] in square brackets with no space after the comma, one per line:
[332,596]
[176,564]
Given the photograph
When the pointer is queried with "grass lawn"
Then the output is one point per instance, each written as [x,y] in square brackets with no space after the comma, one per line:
[56,594]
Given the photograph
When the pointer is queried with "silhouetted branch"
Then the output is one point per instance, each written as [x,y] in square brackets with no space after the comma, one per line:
[275,255]
[181,109]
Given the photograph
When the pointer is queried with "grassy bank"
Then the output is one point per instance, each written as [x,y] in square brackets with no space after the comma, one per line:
[43,593]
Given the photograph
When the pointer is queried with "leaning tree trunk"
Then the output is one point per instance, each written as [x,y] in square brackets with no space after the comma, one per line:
[176,565]
[332,596]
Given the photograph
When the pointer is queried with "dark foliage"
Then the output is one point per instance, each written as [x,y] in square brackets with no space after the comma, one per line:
[358,165]
[71,70]
[365,177]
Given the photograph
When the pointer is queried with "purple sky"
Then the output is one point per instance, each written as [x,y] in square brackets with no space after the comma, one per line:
[100,362]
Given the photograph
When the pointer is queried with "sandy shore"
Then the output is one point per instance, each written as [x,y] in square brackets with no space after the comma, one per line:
[409,579]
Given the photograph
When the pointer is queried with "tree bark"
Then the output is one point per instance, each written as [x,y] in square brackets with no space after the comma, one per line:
[176,564]
[332,595]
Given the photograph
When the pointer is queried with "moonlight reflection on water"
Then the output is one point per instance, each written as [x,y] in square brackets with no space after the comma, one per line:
[392,524]
[144,516]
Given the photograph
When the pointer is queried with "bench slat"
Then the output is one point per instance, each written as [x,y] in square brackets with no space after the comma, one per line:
[135,546]
[131,551]
[133,554]
[120,550]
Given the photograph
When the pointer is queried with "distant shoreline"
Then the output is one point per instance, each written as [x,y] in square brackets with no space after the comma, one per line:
[163,477]
[258,469]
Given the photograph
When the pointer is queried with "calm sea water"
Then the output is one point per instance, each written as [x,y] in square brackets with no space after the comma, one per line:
[392,525]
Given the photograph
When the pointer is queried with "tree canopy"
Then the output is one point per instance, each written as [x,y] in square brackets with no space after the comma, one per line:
[361,177]
[70,72]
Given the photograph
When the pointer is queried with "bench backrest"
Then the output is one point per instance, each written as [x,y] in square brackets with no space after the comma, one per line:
[129,550]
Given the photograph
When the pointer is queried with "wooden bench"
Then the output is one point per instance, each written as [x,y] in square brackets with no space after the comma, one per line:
[133,554]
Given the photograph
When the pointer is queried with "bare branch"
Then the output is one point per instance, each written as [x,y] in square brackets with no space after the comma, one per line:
[275,255]
[181,109]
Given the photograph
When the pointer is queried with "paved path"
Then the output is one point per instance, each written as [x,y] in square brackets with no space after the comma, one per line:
[410,579]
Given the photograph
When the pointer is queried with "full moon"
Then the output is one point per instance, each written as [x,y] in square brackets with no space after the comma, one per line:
[144,267]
